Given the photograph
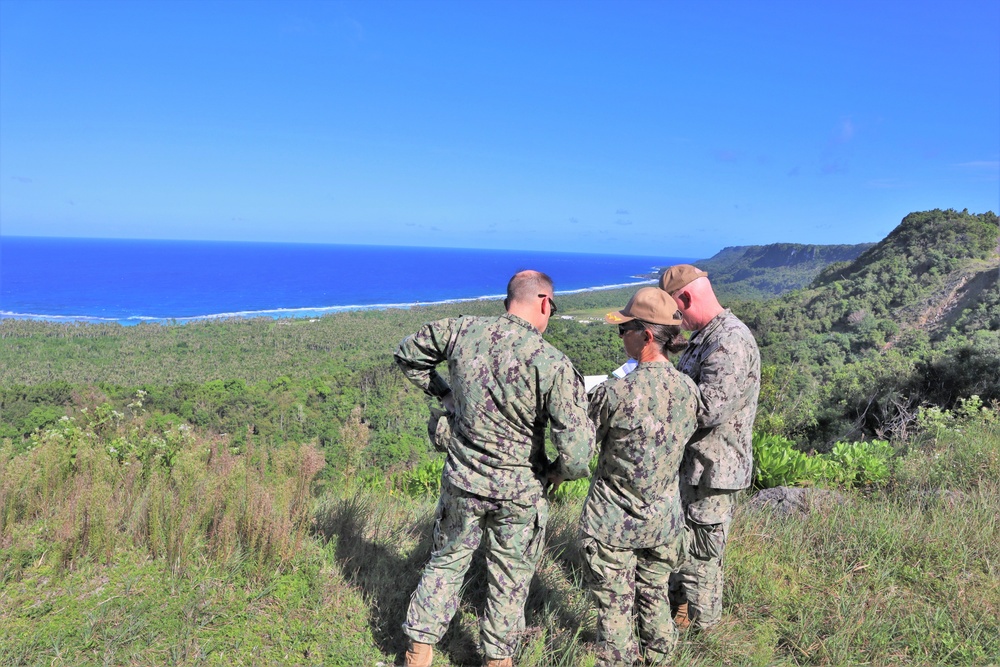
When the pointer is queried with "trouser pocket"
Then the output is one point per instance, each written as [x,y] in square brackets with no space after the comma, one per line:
[706,540]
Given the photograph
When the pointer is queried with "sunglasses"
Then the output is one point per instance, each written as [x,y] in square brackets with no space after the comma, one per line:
[634,325]
[552,304]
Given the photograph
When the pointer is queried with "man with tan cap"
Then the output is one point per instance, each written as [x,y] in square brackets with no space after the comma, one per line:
[632,526]
[723,359]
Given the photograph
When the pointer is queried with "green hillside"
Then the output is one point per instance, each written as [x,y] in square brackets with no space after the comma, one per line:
[763,271]
[914,320]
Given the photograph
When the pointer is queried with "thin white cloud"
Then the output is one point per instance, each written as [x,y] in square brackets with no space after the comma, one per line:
[884,184]
[845,131]
[990,165]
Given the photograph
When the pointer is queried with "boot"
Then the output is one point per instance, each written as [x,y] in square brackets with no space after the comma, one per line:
[681,619]
[419,655]
[499,662]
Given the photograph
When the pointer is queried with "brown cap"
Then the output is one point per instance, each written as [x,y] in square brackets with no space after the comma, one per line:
[676,277]
[650,304]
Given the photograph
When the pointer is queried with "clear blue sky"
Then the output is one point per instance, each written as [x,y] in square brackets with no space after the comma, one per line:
[654,128]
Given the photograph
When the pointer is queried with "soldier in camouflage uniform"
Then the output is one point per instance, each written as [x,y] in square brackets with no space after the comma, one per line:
[632,526]
[724,361]
[505,384]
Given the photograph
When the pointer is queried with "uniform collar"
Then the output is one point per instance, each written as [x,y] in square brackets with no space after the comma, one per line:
[521,321]
[713,324]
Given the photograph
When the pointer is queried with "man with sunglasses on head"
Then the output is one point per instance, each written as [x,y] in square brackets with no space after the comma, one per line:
[723,359]
[504,385]
[632,525]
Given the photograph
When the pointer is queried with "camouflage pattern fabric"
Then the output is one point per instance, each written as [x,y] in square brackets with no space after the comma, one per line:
[699,578]
[632,524]
[627,582]
[643,421]
[507,383]
[723,359]
[515,534]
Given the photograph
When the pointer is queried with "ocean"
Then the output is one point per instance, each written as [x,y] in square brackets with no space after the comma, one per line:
[132,281]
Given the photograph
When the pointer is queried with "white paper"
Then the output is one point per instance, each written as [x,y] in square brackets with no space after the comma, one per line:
[625,368]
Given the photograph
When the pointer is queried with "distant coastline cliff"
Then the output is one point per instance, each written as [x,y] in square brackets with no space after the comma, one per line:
[768,270]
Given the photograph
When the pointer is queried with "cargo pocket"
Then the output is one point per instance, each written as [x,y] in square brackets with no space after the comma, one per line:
[707,540]
[537,542]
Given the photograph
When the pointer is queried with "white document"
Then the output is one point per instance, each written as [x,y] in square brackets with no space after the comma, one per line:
[625,368]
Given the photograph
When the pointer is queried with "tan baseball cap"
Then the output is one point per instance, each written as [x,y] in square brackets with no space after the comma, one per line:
[678,276]
[649,304]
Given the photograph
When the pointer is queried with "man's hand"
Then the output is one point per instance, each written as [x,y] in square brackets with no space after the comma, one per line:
[552,483]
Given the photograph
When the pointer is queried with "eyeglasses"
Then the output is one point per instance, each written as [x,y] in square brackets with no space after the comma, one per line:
[552,304]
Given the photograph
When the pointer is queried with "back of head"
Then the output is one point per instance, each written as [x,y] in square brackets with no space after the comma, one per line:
[525,286]
[680,276]
[695,297]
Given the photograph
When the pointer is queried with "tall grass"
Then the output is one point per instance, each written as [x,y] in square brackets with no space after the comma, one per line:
[123,542]
[91,489]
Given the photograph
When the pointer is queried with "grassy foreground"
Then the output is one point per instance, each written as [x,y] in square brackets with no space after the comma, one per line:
[124,545]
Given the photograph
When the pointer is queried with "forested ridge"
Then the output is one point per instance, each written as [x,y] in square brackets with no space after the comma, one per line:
[915,320]
[764,271]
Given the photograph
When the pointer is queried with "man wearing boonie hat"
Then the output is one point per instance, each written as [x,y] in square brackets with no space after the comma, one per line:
[723,359]
[632,529]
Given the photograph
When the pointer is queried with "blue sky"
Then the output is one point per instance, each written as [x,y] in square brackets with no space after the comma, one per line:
[652,128]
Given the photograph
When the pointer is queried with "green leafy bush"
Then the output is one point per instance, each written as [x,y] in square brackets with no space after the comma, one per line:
[425,479]
[778,463]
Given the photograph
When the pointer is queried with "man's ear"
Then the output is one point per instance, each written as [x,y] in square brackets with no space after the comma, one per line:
[506,304]
[683,298]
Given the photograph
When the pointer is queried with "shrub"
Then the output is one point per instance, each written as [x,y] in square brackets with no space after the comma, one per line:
[778,463]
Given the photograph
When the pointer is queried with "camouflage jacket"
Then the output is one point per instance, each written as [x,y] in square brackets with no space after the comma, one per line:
[724,360]
[643,422]
[508,383]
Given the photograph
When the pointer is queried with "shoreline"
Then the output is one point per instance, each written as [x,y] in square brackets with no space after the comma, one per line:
[280,313]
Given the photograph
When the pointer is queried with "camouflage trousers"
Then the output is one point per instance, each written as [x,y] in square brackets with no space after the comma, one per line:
[515,533]
[708,513]
[629,583]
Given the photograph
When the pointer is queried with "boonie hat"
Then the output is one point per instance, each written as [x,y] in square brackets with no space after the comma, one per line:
[676,277]
[649,304]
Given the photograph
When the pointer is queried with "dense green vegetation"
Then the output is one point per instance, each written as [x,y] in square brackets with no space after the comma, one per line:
[260,491]
[760,272]
[914,320]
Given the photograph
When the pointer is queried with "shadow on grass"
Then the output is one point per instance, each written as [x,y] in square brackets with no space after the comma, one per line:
[382,551]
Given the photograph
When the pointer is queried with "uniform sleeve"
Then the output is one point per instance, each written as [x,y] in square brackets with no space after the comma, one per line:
[418,355]
[572,431]
[599,411]
[727,378]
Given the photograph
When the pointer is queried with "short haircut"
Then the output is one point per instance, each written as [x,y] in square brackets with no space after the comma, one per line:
[526,285]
